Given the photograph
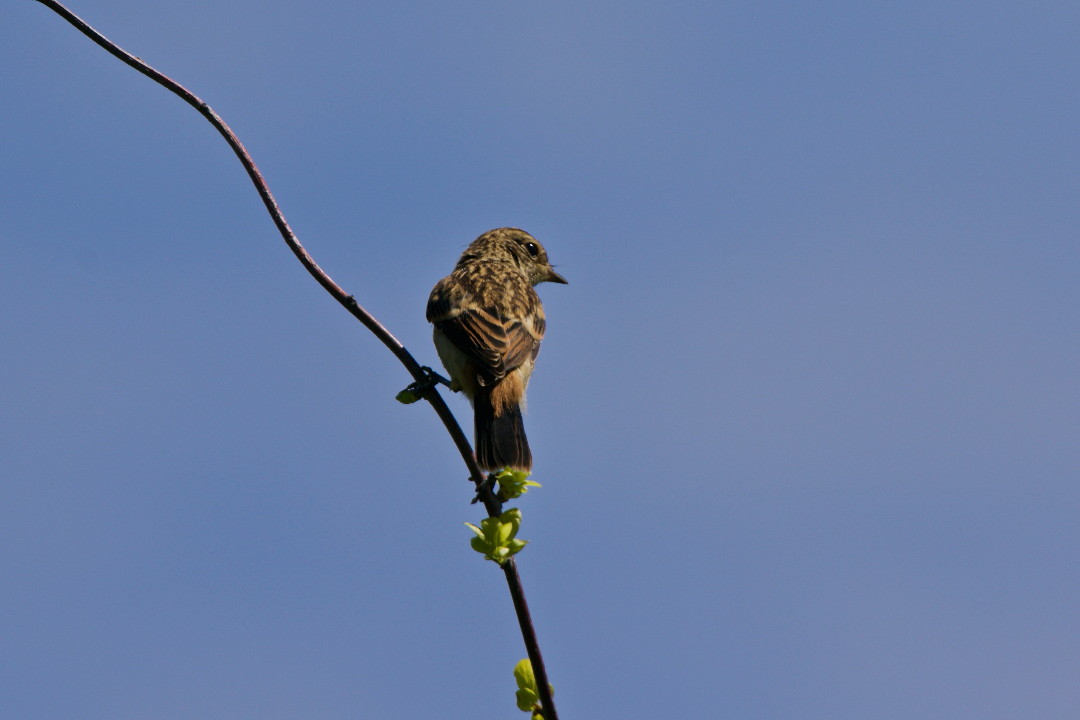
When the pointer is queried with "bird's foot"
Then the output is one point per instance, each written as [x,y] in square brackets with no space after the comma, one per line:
[433,377]
[415,391]
[486,489]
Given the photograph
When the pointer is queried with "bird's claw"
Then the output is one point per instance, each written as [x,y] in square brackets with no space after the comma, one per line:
[432,377]
[417,390]
[486,488]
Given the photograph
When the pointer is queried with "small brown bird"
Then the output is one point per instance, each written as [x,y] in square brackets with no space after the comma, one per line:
[488,326]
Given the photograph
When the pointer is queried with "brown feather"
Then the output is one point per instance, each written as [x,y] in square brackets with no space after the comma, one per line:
[489,324]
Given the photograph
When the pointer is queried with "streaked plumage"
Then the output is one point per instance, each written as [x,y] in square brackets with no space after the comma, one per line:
[488,326]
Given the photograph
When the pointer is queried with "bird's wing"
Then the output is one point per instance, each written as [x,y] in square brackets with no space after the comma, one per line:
[498,325]
[495,342]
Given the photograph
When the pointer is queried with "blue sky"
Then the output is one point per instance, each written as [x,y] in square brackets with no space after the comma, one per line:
[807,416]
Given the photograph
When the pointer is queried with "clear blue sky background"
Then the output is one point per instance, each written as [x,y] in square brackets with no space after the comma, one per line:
[807,417]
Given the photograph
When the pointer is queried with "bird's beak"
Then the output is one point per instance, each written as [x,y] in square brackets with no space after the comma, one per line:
[555,277]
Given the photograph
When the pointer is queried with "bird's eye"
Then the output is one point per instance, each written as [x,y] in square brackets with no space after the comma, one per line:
[532,248]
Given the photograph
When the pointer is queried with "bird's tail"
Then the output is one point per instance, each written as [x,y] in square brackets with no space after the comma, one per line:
[500,433]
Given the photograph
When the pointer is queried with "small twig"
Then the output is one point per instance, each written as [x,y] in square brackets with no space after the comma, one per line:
[484,491]
[528,634]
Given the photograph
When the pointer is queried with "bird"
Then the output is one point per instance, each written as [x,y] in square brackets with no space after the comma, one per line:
[488,324]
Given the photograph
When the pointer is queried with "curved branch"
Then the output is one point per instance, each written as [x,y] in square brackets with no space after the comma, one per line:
[320,275]
[431,394]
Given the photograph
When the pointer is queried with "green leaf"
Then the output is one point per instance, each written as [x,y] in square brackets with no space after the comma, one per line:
[407,396]
[526,699]
[523,674]
[527,696]
[496,537]
[513,483]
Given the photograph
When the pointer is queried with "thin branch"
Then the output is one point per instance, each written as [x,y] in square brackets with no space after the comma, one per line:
[528,634]
[431,394]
